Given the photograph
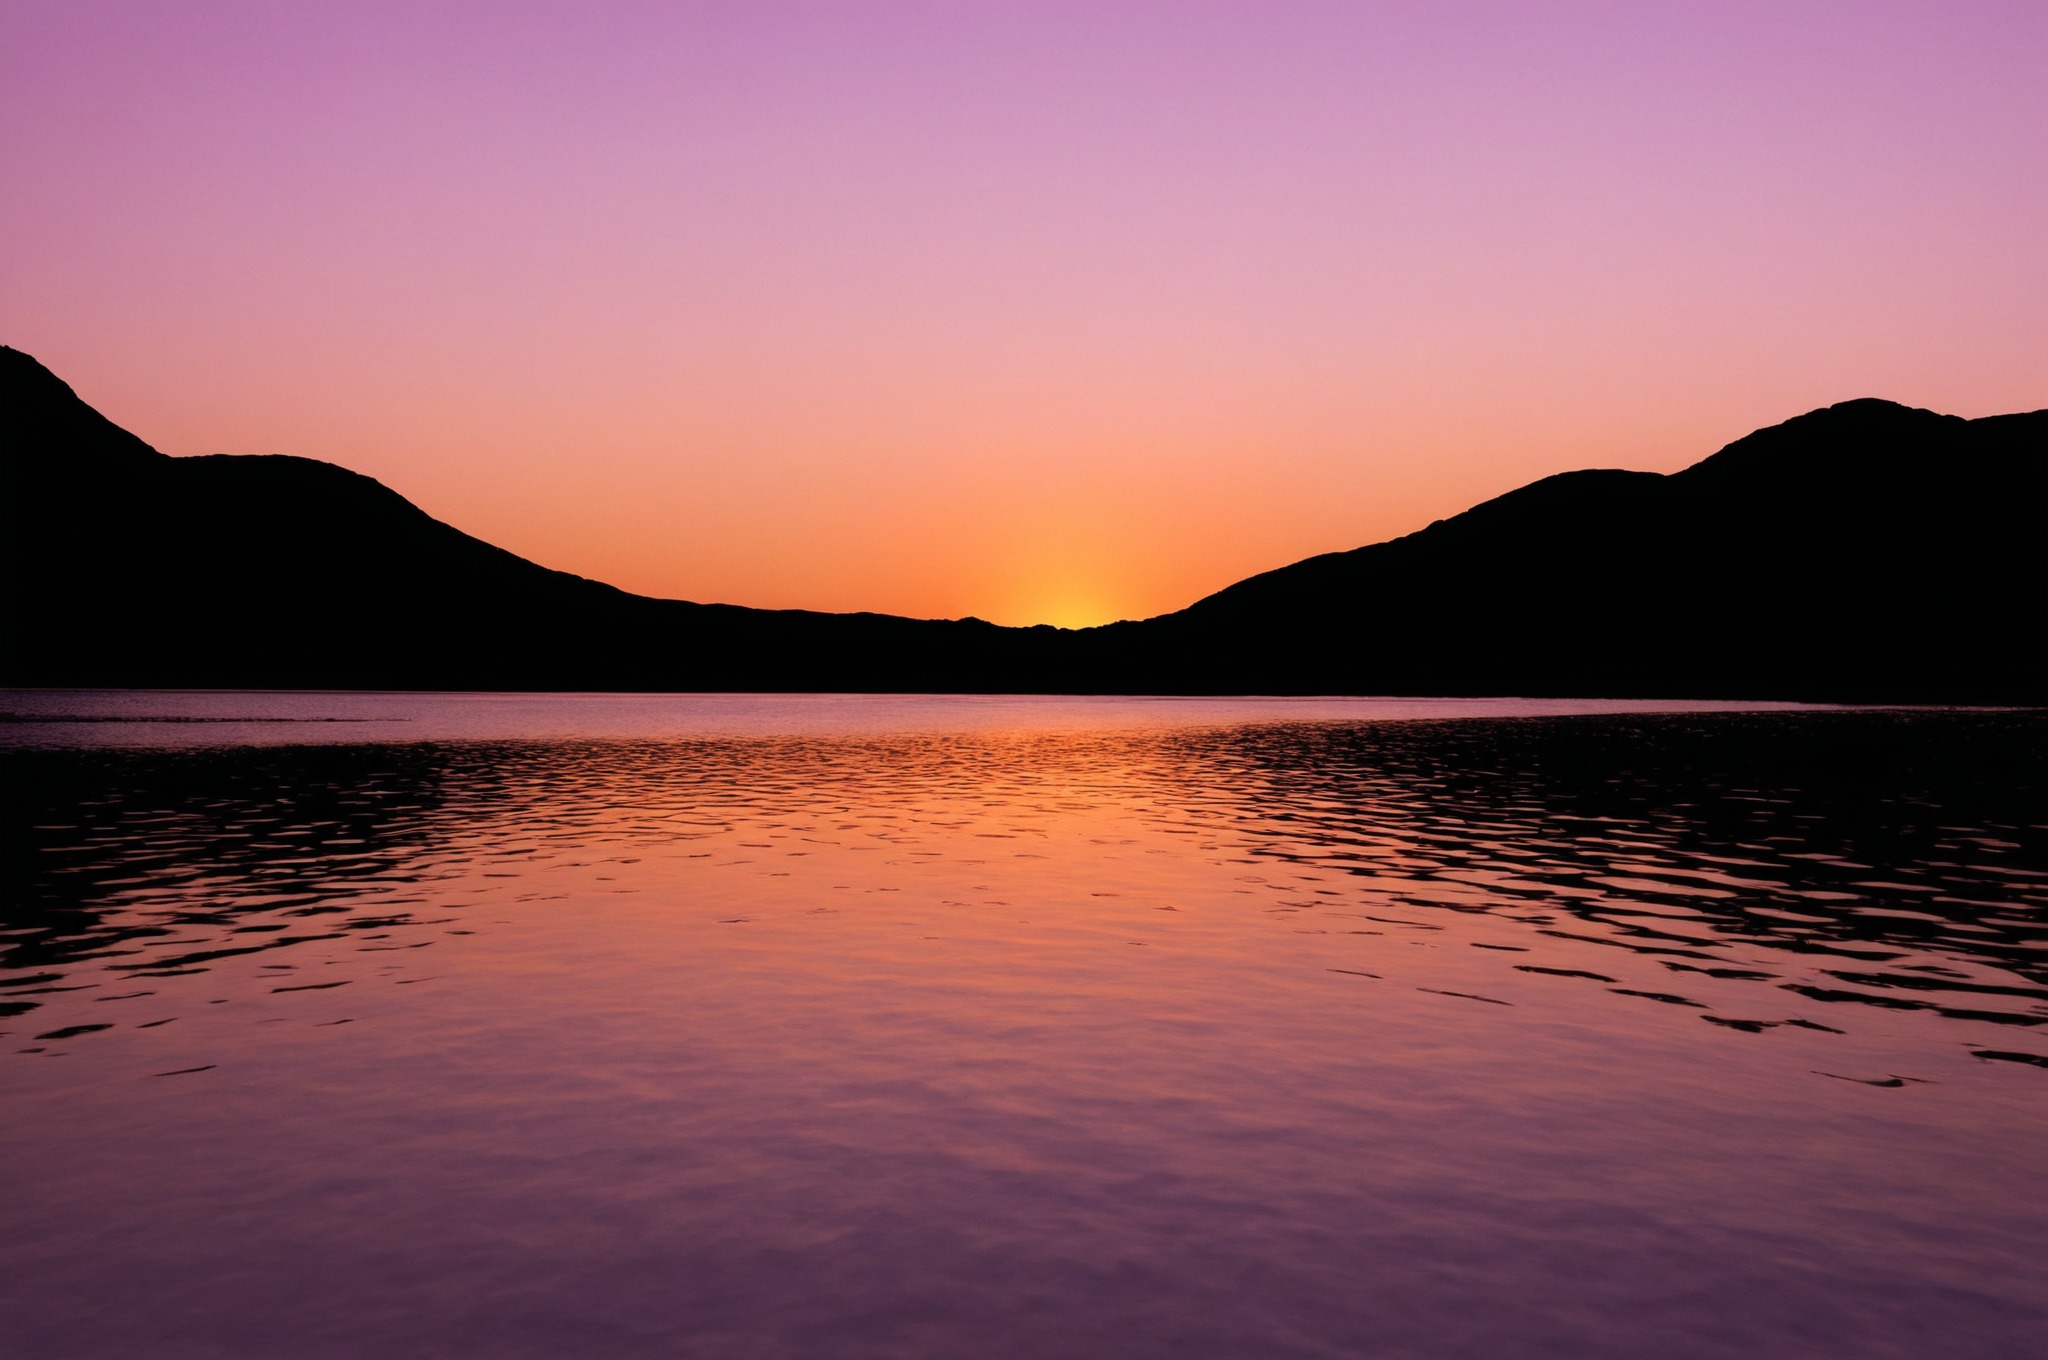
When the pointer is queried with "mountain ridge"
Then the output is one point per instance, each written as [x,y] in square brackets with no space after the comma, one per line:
[1864,550]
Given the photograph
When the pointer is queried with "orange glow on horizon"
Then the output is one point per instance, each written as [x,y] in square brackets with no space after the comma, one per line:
[1023,313]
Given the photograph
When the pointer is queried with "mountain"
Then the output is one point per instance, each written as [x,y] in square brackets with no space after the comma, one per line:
[1865,551]
[123,566]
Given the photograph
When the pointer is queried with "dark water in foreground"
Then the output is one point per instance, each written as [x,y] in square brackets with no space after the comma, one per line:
[903,1027]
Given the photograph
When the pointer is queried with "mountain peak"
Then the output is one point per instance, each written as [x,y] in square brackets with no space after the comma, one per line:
[23,377]
[47,421]
[1847,439]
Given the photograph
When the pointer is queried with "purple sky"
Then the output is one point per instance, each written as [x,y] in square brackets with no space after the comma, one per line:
[1040,312]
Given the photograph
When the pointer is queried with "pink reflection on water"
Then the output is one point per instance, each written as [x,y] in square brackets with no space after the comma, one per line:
[1293,1039]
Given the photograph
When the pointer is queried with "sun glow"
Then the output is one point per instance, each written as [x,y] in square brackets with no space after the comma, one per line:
[1076,611]
[1070,585]
[1018,311]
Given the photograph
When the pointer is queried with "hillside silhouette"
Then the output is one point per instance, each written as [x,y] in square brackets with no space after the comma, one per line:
[128,567]
[1866,551]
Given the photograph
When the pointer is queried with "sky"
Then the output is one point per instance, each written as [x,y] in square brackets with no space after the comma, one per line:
[1049,312]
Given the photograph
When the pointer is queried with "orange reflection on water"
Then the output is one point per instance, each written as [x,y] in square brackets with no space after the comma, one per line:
[1448,1038]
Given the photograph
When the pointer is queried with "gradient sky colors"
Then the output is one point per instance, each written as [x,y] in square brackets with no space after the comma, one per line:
[1040,312]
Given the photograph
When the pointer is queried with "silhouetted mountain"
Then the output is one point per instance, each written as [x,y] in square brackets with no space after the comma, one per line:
[127,567]
[1865,551]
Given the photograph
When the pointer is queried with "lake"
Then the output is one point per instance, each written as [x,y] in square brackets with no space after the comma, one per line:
[761,1026]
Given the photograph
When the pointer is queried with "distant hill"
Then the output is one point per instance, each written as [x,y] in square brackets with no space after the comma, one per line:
[1864,551]
[127,567]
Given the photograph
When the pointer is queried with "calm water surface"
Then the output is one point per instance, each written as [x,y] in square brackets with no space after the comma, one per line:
[510,1026]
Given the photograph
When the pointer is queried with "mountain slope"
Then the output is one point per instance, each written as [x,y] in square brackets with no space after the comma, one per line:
[124,566]
[1864,551]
